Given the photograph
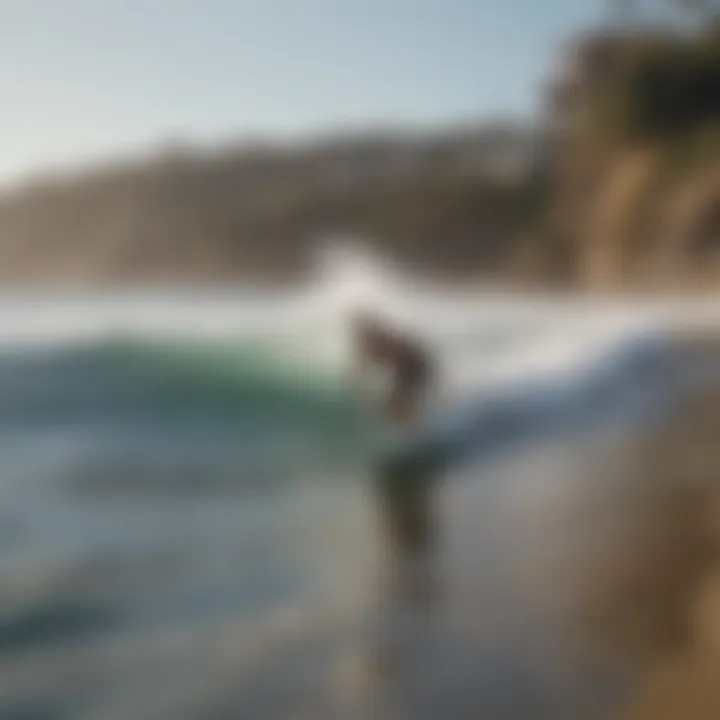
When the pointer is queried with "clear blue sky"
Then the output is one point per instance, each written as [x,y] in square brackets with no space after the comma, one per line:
[81,79]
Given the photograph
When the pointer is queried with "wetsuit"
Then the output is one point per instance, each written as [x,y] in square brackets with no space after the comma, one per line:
[411,368]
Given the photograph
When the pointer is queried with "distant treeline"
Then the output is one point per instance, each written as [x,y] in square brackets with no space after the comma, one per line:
[449,202]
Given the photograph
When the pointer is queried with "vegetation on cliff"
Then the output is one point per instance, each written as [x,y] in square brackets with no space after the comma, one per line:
[636,199]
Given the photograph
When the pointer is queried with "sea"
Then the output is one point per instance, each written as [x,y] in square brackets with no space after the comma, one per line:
[191,527]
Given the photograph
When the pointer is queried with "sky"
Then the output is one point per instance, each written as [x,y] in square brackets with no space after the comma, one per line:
[83,80]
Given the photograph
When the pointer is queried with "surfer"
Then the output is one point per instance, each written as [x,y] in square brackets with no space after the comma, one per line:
[405,480]
[407,361]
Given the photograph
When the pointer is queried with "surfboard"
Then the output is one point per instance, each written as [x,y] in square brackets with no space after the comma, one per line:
[448,437]
[428,448]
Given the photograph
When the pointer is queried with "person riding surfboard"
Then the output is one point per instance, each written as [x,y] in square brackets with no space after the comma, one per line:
[405,488]
[407,361]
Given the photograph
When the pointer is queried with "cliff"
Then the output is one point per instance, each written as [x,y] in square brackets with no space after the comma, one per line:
[636,190]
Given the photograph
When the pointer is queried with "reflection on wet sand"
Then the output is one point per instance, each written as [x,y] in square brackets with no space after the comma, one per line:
[407,498]
[451,637]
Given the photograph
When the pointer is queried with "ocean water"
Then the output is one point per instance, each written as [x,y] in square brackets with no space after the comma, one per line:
[189,520]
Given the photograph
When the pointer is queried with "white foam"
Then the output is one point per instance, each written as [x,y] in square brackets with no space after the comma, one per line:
[483,339]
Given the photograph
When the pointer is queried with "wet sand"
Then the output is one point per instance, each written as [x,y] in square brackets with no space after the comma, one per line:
[580,579]
[676,584]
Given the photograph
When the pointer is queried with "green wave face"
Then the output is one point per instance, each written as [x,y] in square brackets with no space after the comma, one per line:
[248,411]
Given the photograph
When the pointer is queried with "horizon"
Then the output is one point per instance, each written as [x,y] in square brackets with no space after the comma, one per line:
[131,78]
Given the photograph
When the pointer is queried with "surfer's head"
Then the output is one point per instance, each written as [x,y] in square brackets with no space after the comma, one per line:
[367,327]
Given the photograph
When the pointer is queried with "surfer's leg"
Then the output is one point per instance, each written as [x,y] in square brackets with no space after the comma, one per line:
[392,581]
[420,538]
[407,508]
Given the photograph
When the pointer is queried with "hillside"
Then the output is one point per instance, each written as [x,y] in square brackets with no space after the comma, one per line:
[451,202]
[618,188]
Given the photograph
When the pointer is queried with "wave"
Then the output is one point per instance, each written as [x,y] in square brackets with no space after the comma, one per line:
[243,390]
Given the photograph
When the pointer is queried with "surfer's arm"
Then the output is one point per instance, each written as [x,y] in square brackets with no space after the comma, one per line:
[358,369]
